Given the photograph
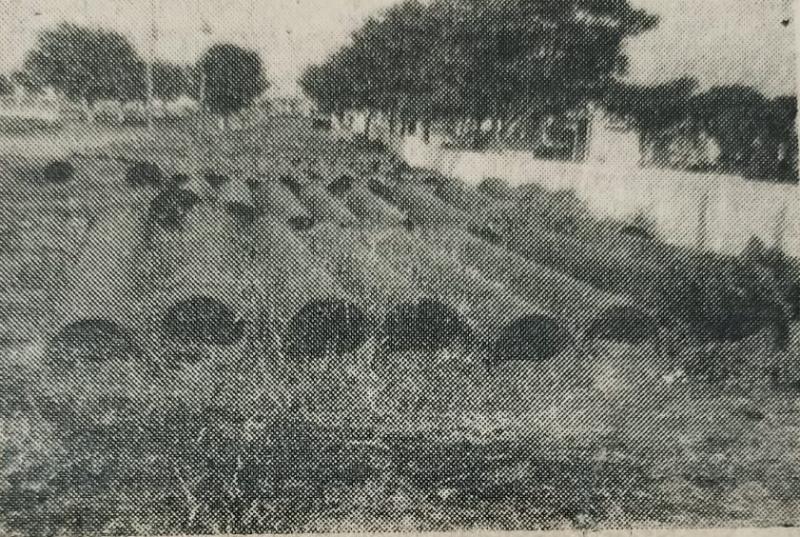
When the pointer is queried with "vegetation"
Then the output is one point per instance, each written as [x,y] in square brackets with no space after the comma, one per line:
[756,135]
[477,60]
[243,439]
[233,77]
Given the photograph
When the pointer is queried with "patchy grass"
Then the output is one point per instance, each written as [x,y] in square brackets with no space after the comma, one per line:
[258,444]
[243,440]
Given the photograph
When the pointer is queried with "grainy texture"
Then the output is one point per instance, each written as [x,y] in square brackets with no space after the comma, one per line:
[488,273]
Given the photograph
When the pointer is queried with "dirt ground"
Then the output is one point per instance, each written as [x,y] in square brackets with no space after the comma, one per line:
[245,441]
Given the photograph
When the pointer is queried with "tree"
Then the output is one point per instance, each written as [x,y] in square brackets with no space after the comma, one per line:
[654,108]
[171,80]
[233,77]
[479,59]
[85,64]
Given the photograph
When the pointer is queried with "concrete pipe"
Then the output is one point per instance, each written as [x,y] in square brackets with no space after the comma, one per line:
[100,315]
[303,301]
[275,201]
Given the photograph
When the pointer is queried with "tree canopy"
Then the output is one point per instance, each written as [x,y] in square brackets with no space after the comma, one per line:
[478,58]
[233,76]
[84,63]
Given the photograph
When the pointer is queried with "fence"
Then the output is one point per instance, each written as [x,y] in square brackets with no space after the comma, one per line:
[720,213]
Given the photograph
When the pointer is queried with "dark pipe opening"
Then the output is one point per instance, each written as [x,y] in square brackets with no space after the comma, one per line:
[252,183]
[244,213]
[732,318]
[144,174]
[292,184]
[494,187]
[533,338]
[200,320]
[487,234]
[427,325]
[379,188]
[91,340]
[324,327]
[300,223]
[178,180]
[637,232]
[169,209]
[623,324]
[58,171]
[341,186]
[215,180]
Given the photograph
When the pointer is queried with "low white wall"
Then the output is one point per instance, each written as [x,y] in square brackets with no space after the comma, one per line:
[710,211]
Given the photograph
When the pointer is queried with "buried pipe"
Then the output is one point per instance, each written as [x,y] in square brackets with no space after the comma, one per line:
[487,307]
[302,300]
[555,292]
[367,207]
[599,314]
[324,207]
[348,255]
[275,200]
[99,317]
[412,321]
[424,208]
[203,300]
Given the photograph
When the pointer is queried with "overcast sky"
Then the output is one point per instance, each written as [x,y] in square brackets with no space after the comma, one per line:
[716,41]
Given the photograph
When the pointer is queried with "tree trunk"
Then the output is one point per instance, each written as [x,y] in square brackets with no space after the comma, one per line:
[368,124]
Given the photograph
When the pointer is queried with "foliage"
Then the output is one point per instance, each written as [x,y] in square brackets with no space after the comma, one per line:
[171,80]
[756,135]
[85,63]
[477,59]
[233,76]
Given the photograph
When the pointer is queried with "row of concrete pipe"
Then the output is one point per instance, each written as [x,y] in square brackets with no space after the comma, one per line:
[320,273]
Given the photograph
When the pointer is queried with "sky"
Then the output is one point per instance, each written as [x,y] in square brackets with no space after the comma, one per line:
[716,41]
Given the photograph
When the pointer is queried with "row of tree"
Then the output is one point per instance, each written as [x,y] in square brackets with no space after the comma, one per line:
[757,136]
[90,64]
[478,59]
[451,61]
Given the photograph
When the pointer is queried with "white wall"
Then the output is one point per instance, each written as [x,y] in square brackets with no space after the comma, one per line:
[711,211]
